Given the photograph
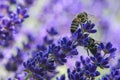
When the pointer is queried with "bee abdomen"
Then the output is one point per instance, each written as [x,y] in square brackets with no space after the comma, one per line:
[74,25]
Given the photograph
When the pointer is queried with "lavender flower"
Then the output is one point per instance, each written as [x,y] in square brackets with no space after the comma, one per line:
[11,65]
[30,42]
[9,23]
[1,55]
[28,2]
[47,40]
[12,1]
[52,31]
[62,77]
[100,61]
[114,73]
[106,48]
[83,70]
[49,56]
[56,55]
[66,45]
[40,66]
[21,14]
[89,27]
[80,38]
[4,9]
[14,61]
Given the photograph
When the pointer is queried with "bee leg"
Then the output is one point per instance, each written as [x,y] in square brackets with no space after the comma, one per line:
[88,52]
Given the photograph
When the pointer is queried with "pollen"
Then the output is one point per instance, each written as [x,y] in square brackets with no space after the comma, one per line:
[20,16]
[4,11]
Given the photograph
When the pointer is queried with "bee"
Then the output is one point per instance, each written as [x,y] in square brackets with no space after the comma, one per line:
[81,18]
[92,46]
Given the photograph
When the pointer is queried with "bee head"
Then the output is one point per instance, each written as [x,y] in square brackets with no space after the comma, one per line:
[83,17]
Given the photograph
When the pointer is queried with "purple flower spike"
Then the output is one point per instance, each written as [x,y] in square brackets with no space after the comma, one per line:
[86,71]
[61,77]
[1,55]
[4,9]
[107,48]
[114,73]
[100,61]
[52,31]
[88,27]
[21,14]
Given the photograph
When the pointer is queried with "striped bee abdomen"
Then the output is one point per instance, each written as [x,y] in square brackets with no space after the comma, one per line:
[75,24]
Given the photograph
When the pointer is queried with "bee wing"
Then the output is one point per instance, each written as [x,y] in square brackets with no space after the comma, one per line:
[93,18]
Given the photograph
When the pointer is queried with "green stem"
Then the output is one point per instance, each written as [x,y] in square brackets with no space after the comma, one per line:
[28,76]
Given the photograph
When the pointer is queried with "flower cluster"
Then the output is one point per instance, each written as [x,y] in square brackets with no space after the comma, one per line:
[10,22]
[114,73]
[83,70]
[46,58]
[14,61]
[40,66]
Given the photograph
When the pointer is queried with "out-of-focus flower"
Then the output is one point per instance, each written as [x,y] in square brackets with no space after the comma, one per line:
[14,61]
[29,2]
[62,77]
[22,13]
[47,40]
[52,31]
[59,13]
[12,1]
[114,73]
[30,42]
[1,55]
[9,23]
[11,65]
[4,9]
